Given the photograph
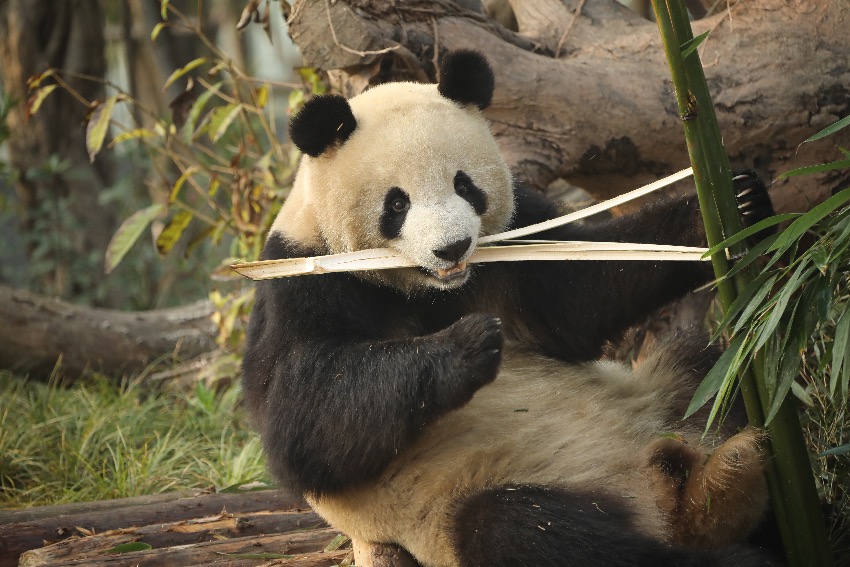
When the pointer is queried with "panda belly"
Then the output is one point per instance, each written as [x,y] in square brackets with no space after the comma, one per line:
[541,422]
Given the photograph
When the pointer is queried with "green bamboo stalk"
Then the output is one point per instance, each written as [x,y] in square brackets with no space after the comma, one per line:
[790,480]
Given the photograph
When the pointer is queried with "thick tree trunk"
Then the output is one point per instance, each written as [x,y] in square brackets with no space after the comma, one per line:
[36,35]
[33,528]
[37,331]
[603,115]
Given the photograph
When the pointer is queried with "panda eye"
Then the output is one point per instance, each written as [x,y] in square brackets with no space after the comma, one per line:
[469,192]
[461,187]
[399,205]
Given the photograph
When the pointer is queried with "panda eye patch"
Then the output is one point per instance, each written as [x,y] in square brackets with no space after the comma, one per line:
[396,205]
[468,191]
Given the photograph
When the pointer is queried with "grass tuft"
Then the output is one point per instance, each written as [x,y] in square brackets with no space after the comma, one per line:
[98,440]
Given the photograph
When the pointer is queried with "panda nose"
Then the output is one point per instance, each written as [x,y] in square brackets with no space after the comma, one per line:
[454,251]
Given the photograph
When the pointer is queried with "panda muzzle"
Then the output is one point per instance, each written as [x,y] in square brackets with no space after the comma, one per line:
[456,271]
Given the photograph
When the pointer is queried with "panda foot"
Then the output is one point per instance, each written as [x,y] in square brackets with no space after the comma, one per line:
[723,499]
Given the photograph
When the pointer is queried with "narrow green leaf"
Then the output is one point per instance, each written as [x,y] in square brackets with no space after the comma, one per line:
[163,8]
[755,303]
[129,547]
[754,254]
[749,231]
[789,367]
[841,164]
[337,542]
[172,231]
[715,378]
[836,451]
[221,120]
[98,126]
[127,234]
[194,64]
[743,300]
[799,277]
[799,227]
[839,363]
[691,45]
[831,129]
[199,105]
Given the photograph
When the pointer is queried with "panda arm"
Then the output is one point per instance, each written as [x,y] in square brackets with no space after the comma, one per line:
[335,398]
[570,309]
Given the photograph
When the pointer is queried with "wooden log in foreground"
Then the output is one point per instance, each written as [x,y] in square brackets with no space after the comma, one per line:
[32,528]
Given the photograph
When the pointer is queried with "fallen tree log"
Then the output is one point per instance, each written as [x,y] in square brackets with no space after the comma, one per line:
[302,549]
[32,528]
[38,331]
[586,95]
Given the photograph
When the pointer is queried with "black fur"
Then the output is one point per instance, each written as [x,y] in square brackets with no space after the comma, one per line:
[393,216]
[533,525]
[466,77]
[341,374]
[470,192]
[325,120]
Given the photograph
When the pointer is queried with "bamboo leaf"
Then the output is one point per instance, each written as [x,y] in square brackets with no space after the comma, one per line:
[157,29]
[172,231]
[127,234]
[745,299]
[754,254]
[749,231]
[836,451]
[841,164]
[800,226]
[799,277]
[98,126]
[831,129]
[839,362]
[725,367]
[163,8]
[691,45]
[194,64]
[262,96]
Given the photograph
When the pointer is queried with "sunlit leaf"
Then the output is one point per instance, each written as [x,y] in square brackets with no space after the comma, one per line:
[175,191]
[37,98]
[98,126]
[157,29]
[831,129]
[163,7]
[262,96]
[35,81]
[132,135]
[221,119]
[691,45]
[337,542]
[172,231]
[194,64]
[128,233]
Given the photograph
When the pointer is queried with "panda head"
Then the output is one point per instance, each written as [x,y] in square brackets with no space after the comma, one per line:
[407,166]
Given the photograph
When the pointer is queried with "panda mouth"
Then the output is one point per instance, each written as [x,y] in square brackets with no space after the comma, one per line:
[456,272]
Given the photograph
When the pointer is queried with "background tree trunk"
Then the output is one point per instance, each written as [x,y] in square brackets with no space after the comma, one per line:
[602,115]
[36,35]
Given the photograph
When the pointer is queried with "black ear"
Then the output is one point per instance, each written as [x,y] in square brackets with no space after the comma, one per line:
[324,121]
[466,77]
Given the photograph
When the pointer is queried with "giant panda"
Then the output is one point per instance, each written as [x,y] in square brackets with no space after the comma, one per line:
[461,413]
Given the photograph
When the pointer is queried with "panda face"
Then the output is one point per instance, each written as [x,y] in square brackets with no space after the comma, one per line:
[420,174]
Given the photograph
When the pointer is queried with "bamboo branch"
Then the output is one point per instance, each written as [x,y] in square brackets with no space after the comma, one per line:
[793,493]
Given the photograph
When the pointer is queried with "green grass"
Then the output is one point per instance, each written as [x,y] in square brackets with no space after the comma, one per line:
[97,440]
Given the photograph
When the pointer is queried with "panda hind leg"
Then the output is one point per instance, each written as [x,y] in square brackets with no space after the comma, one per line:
[551,527]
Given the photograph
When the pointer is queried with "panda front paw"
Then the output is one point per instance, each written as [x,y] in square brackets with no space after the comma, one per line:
[478,340]
[753,201]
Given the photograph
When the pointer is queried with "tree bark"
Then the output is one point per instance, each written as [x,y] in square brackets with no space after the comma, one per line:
[37,331]
[304,547]
[603,116]
[36,35]
[248,514]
